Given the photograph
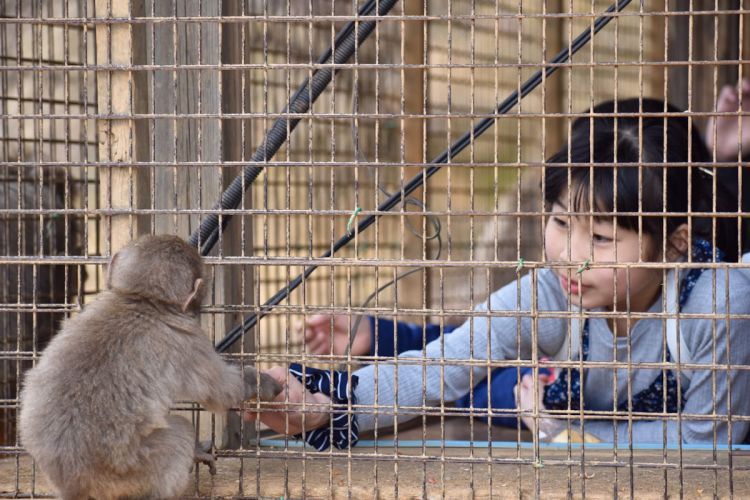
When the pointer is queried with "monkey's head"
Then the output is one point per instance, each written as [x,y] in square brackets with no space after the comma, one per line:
[163,268]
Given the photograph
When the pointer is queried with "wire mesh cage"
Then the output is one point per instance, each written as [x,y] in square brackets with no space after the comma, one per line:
[483,217]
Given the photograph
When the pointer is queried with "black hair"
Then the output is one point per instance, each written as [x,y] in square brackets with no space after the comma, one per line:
[617,139]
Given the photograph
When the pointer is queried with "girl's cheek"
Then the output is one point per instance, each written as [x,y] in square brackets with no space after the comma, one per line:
[556,240]
[550,242]
[611,283]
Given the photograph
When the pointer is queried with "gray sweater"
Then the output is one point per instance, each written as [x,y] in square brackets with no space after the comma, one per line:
[498,323]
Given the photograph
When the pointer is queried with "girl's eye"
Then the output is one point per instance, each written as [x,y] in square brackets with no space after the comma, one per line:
[598,238]
[559,221]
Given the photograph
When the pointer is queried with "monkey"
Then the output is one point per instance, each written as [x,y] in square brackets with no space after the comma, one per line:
[95,408]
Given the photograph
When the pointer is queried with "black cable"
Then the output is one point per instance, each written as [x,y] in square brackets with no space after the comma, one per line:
[435,166]
[345,44]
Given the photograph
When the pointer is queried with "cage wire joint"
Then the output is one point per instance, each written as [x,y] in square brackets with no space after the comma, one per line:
[350,222]
[584,267]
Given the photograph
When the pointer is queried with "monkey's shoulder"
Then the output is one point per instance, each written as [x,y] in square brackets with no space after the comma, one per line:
[111,316]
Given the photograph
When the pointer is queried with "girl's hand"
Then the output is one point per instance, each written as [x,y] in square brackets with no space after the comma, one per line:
[526,396]
[724,128]
[286,415]
[325,331]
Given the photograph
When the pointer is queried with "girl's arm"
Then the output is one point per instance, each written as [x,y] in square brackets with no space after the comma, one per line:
[329,334]
[451,364]
[722,132]
[409,336]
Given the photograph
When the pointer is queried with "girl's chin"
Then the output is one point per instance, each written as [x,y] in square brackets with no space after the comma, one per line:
[583,301]
[577,302]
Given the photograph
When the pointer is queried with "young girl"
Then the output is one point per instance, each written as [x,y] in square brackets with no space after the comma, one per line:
[604,265]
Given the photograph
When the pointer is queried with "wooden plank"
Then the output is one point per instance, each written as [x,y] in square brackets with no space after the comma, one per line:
[654,49]
[412,291]
[451,473]
[413,79]
[121,188]
[238,236]
[696,40]
[177,186]
[554,88]
[208,140]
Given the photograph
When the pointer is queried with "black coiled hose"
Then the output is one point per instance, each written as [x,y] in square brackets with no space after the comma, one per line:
[345,44]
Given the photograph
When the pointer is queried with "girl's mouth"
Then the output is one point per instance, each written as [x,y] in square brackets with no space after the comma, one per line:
[571,285]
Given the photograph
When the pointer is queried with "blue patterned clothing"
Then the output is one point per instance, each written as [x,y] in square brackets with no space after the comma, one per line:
[343,430]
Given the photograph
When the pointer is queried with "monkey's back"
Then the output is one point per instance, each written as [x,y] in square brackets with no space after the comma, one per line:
[103,384]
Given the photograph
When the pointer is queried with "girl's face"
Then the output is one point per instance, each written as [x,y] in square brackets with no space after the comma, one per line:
[633,289]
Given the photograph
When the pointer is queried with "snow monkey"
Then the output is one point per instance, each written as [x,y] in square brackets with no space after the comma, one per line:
[95,408]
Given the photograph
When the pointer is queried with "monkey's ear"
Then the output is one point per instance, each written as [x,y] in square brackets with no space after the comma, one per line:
[196,289]
[110,267]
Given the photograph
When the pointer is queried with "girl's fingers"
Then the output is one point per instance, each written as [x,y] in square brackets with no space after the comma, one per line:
[727,99]
[314,325]
[279,374]
[311,348]
[298,328]
[305,331]
[745,85]
[319,321]
[310,332]
[319,343]
[317,347]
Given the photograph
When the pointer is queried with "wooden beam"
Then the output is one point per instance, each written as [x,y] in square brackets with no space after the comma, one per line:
[121,140]
[414,79]
[692,87]
[176,186]
[239,281]
[413,292]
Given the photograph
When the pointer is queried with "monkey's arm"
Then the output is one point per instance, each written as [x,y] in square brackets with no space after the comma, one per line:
[259,385]
[219,385]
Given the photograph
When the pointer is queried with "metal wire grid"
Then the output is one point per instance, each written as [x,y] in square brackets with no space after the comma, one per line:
[204,80]
[37,294]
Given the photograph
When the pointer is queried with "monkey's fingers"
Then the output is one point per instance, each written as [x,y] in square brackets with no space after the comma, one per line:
[260,386]
[204,457]
[269,387]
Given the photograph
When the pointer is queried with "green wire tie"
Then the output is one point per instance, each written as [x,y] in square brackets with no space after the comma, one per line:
[521,261]
[351,219]
[584,267]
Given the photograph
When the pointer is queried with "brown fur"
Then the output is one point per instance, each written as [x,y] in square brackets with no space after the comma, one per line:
[95,409]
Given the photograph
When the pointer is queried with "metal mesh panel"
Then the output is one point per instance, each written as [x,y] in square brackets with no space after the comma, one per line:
[46,185]
[127,117]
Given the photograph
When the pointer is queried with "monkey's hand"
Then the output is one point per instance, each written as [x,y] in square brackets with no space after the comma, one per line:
[290,416]
[260,386]
[203,456]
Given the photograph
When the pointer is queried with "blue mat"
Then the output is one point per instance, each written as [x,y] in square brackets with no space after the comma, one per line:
[435,443]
